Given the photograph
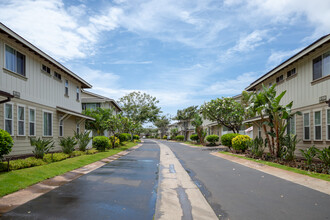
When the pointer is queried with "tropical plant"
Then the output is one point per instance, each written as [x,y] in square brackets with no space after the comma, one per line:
[212,139]
[6,143]
[288,147]
[225,111]
[101,115]
[324,155]
[194,137]
[101,143]
[227,138]
[67,144]
[241,142]
[179,138]
[41,146]
[82,139]
[257,147]
[309,154]
[197,122]
[184,116]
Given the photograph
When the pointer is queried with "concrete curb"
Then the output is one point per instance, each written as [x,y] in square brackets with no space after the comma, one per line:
[307,181]
[13,200]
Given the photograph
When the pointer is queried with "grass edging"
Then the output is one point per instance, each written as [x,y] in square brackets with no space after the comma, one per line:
[321,176]
[192,144]
[19,179]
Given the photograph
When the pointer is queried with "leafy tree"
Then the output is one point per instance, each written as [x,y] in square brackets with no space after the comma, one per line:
[140,107]
[174,132]
[115,125]
[101,116]
[184,116]
[162,123]
[226,112]
[197,123]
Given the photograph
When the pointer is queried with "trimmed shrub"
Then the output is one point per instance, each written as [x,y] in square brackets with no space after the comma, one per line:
[101,143]
[227,138]
[194,137]
[6,143]
[179,138]
[68,144]
[241,142]
[136,137]
[129,137]
[41,147]
[123,137]
[56,157]
[212,138]
[165,137]
[117,141]
[82,140]
[23,163]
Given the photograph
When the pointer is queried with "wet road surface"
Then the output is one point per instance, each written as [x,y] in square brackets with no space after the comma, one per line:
[123,189]
[238,192]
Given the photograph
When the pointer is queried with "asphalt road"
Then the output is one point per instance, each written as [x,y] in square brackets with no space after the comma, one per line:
[238,192]
[123,189]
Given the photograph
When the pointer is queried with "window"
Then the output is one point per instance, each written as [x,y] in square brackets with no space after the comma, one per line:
[291,125]
[45,68]
[66,88]
[93,106]
[15,61]
[291,72]
[48,124]
[20,121]
[279,79]
[78,128]
[259,131]
[32,122]
[306,127]
[61,128]
[57,75]
[78,91]
[328,124]
[9,118]
[321,66]
[317,125]
[270,85]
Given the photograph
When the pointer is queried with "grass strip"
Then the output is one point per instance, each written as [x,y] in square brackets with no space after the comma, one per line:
[193,144]
[321,176]
[19,179]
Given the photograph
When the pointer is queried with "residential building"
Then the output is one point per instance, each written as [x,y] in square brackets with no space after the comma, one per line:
[43,98]
[306,79]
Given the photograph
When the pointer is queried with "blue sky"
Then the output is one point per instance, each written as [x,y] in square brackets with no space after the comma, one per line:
[183,52]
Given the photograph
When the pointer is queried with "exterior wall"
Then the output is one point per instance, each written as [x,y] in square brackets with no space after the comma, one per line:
[38,86]
[22,143]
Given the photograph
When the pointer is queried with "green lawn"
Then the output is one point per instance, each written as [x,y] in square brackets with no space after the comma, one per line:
[292,169]
[193,144]
[20,179]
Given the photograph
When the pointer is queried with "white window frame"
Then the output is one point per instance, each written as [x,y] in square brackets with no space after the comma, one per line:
[66,87]
[43,123]
[4,60]
[59,128]
[295,125]
[12,119]
[78,93]
[35,118]
[309,125]
[18,120]
[78,128]
[314,111]
[259,132]
[327,124]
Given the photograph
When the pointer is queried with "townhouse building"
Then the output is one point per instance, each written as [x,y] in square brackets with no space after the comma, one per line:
[39,97]
[306,79]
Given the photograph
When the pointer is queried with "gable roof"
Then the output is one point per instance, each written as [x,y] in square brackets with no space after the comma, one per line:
[297,56]
[11,34]
[99,98]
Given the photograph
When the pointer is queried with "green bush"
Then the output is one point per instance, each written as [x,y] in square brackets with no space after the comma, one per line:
[324,155]
[6,143]
[212,138]
[101,143]
[41,147]
[82,140]
[194,137]
[22,163]
[123,137]
[117,141]
[309,154]
[227,138]
[56,157]
[241,142]
[136,137]
[68,144]
[179,138]
[165,137]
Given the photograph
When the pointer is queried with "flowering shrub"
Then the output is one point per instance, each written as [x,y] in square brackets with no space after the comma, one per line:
[227,138]
[117,141]
[241,142]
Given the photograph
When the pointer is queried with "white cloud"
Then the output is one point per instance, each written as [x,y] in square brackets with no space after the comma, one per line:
[277,57]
